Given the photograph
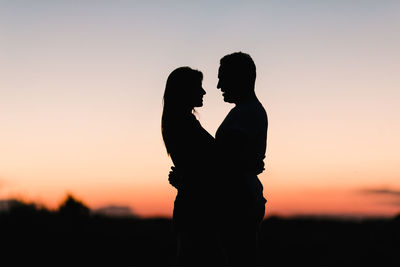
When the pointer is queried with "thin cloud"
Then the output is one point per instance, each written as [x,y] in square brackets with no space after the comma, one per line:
[395,203]
[380,191]
[387,196]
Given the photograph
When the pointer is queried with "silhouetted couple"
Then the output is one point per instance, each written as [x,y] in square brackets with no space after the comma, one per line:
[220,203]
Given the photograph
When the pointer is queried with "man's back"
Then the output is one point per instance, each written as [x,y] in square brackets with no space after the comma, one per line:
[244,130]
[242,137]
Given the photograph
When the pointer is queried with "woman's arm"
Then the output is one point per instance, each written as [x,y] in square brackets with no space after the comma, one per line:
[194,160]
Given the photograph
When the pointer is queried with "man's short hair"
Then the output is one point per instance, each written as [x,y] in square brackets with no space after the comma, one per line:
[241,65]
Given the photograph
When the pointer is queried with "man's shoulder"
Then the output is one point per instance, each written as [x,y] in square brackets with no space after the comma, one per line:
[249,117]
[253,110]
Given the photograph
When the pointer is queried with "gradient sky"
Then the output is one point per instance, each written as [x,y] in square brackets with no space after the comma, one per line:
[81,84]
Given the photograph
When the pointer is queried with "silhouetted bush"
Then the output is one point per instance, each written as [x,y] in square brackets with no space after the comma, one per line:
[71,235]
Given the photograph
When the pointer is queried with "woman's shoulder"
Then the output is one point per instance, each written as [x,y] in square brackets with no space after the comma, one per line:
[191,122]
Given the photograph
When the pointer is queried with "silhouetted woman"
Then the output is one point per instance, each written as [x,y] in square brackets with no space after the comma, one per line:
[191,148]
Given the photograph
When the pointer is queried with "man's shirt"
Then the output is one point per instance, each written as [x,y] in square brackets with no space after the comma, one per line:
[242,138]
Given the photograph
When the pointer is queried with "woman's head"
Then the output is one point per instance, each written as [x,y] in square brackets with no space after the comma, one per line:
[184,91]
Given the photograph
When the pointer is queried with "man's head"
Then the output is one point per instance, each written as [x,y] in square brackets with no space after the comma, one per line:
[236,77]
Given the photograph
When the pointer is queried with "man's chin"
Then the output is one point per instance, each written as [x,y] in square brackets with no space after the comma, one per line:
[227,99]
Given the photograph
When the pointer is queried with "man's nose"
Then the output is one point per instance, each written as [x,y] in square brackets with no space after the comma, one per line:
[219,85]
[203,91]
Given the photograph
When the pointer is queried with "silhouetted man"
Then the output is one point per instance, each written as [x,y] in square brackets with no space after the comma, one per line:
[241,138]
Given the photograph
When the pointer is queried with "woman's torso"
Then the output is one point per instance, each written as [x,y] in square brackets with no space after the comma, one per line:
[191,150]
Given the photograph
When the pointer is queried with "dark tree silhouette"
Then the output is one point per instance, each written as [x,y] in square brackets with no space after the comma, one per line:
[73,208]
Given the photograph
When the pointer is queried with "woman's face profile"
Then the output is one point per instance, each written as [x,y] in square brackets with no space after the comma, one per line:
[196,94]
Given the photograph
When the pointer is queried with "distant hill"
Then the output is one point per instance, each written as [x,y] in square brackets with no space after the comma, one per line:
[114,211]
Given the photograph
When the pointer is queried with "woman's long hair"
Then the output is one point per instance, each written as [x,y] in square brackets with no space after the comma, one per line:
[175,101]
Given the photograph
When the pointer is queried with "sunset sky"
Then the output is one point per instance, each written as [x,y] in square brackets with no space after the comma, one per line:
[81,85]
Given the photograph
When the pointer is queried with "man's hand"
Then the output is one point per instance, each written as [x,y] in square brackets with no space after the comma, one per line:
[260,166]
[175,178]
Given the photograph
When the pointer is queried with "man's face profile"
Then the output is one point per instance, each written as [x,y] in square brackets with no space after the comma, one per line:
[226,82]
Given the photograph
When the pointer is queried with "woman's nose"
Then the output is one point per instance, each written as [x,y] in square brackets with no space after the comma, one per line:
[203,91]
[219,84]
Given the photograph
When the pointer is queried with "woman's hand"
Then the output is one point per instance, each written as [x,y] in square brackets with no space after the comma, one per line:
[175,178]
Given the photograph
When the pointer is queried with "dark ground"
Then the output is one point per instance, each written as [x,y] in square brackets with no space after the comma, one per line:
[72,235]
